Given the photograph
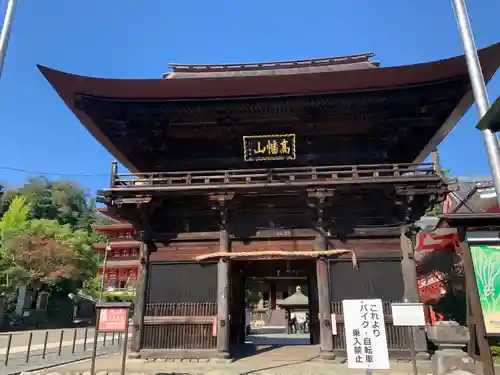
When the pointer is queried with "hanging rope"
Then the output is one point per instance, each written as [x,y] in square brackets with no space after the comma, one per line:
[279,253]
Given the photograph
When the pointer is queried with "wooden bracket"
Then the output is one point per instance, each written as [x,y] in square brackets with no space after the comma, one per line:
[320,194]
[138,201]
[220,203]
[317,200]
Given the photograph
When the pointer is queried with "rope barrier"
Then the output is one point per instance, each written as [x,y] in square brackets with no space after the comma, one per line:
[279,253]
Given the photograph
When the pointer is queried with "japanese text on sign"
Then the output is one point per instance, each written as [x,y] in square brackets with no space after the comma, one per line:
[113,319]
[269,147]
[365,334]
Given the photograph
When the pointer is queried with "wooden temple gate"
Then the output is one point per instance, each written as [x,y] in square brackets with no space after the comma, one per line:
[185,299]
[324,151]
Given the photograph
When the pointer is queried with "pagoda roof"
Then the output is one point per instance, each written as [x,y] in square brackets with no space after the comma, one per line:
[152,124]
[298,299]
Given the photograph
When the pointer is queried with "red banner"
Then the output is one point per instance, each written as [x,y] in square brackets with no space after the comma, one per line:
[113,320]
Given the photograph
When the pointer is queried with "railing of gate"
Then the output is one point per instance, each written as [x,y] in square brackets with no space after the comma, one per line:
[276,176]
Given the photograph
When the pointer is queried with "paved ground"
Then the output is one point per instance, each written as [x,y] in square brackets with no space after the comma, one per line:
[281,361]
[268,354]
[61,347]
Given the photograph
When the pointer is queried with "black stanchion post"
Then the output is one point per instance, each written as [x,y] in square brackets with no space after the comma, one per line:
[85,339]
[113,339]
[74,342]
[7,352]
[45,340]
[104,339]
[60,343]
[30,339]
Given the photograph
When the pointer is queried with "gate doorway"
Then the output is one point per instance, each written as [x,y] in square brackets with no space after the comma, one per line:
[260,320]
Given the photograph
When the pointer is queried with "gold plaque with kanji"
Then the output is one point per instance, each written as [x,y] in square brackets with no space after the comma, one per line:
[269,147]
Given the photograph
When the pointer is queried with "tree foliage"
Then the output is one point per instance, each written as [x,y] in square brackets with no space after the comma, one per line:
[16,217]
[45,235]
[63,201]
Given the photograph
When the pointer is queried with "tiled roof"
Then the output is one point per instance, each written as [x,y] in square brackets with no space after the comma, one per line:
[473,195]
[340,63]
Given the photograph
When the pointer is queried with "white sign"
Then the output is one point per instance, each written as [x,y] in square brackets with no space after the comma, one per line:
[365,334]
[408,314]
[334,325]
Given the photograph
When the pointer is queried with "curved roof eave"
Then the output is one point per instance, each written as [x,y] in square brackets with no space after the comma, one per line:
[67,85]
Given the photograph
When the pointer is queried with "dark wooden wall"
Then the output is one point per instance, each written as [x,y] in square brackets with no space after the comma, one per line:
[373,279]
[187,250]
[181,305]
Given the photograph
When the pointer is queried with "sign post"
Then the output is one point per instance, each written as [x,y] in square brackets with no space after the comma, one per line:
[111,317]
[365,335]
[409,315]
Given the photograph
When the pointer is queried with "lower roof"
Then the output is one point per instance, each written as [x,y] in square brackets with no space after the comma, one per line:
[136,119]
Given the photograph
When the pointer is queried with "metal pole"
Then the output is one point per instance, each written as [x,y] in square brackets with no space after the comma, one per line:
[6,29]
[104,268]
[478,89]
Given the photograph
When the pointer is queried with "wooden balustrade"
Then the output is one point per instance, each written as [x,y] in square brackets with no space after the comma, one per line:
[298,176]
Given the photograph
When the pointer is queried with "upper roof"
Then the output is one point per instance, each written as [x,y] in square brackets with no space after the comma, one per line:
[111,101]
[330,64]
[474,196]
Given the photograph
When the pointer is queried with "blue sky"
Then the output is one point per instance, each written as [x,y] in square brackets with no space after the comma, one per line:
[137,39]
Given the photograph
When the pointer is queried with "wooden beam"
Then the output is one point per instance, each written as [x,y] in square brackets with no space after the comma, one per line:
[159,320]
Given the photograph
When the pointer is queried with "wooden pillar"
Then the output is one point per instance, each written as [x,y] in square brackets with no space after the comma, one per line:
[410,280]
[272,295]
[223,298]
[141,296]
[325,308]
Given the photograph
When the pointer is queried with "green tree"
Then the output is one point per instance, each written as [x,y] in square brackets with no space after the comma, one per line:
[13,223]
[16,217]
[64,201]
[42,250]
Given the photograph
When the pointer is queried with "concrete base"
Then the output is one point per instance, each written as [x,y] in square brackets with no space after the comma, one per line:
[327,356]
[423,356]
[222,356]
[134,355]
[447,361]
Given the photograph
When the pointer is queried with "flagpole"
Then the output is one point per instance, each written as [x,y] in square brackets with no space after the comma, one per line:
[6,29]
[478,89]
